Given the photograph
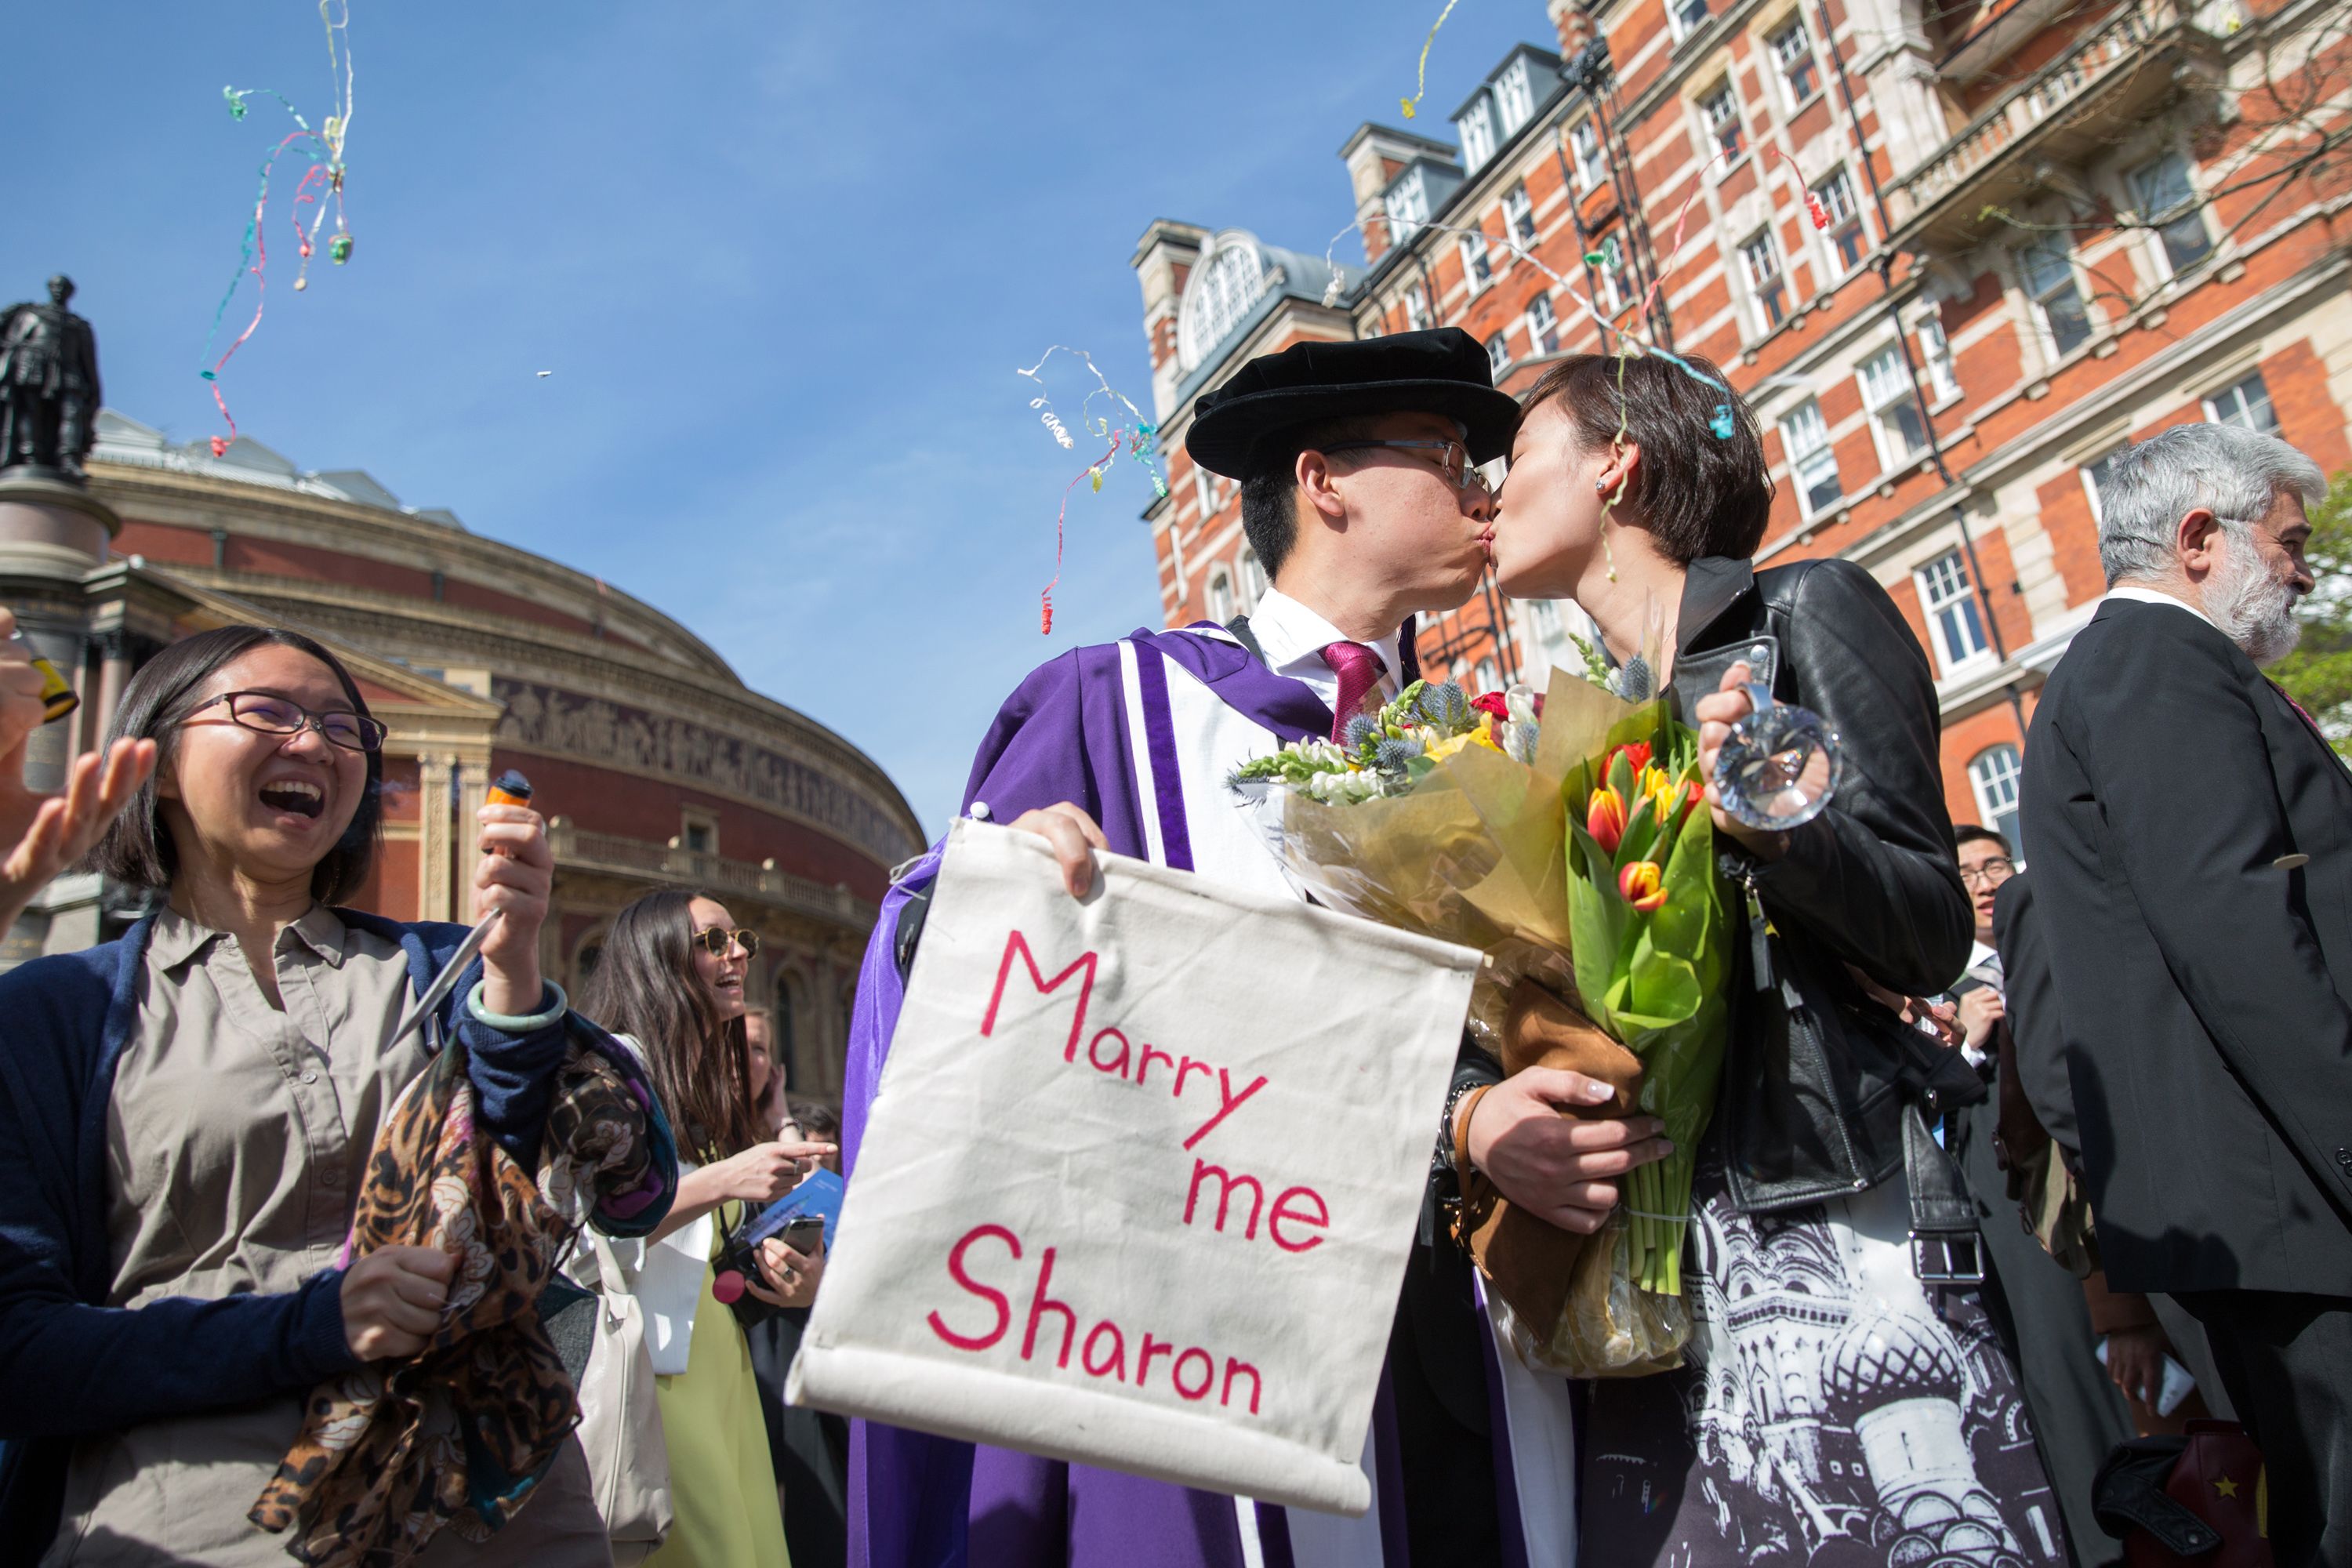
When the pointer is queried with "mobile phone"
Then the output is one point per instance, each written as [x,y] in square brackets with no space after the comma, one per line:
[804,1235]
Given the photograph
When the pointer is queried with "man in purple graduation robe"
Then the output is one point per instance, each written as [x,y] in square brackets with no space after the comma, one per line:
[1361,495]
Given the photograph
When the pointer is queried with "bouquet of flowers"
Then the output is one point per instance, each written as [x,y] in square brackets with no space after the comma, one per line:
[1564,836]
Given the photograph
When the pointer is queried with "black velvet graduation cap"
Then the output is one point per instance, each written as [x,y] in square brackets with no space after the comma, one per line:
[1236,428]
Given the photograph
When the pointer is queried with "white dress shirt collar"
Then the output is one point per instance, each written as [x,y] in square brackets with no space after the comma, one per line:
[1293,637]
[2138,594]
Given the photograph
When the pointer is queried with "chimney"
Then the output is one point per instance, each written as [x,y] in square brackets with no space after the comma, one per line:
[1164,258]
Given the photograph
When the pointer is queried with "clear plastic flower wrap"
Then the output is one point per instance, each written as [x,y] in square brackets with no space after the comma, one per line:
[1488,838]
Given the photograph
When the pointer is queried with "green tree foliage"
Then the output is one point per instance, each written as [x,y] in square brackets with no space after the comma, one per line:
[2319,673]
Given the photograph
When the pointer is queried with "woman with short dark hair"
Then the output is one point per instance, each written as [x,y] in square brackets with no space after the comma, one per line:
[190,1117]
[1832,1389]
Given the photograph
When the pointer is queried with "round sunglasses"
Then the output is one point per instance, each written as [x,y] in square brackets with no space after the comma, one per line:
[716,940]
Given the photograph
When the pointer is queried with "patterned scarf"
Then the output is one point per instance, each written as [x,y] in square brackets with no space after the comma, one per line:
[460,1434]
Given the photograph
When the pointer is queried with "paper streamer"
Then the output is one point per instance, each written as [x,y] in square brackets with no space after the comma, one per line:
[1420,73]
[324,176]
[1134,433]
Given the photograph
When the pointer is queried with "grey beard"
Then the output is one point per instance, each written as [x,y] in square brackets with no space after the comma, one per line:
[2253,609]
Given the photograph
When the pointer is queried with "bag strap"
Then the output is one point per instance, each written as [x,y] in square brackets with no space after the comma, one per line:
[611,1277]
[1239,627]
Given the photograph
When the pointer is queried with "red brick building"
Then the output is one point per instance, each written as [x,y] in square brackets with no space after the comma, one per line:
[656,764]
[2051,229]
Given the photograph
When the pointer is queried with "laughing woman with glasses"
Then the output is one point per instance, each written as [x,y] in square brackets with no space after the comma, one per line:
[189,1116]
[670,980]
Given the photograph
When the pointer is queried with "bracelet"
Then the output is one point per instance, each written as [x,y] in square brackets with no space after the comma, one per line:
[513,1023]
[1452,1156]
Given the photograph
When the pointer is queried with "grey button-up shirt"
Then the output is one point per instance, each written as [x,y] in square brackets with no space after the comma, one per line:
[236,1140]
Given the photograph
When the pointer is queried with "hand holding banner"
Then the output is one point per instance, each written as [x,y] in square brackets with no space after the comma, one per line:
[1140,1176]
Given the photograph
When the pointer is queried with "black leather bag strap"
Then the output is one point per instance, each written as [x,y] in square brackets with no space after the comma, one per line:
[2129,1495]
[1947,1249]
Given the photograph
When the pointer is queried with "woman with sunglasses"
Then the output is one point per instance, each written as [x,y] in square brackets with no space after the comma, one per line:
[670,981]
[189,1114]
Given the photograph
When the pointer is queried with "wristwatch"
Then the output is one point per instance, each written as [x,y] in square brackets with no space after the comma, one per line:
[1454,1100]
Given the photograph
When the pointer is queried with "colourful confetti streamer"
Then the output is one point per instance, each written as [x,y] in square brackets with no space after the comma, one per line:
[1421,75]
[324,147]
[1133,433]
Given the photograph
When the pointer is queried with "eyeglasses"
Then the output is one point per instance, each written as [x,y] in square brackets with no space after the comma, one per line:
[1987,873]
[266,715]
[715,942]
[1455,460]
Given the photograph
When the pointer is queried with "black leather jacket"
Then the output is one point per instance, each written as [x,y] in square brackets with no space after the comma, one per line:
[1818,1112]
[1871,882]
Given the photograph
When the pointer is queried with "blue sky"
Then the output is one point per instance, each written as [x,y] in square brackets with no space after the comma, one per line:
[783,260]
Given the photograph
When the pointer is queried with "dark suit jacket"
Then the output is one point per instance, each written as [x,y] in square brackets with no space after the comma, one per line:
[2036,1027]
[2208,988]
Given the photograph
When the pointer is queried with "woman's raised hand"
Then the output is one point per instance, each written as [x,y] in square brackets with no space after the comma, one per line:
[515,875]
[766,1171]
[1716,713]
[41,834]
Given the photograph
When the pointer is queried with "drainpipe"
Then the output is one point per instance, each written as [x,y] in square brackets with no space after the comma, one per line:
[1911,368]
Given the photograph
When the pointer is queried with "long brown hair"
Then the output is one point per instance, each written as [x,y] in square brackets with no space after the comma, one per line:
[645,986]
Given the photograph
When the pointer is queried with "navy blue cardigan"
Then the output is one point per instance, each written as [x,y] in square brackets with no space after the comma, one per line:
[71,1366]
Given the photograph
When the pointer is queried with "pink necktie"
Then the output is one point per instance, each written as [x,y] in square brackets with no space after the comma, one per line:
[1359,669]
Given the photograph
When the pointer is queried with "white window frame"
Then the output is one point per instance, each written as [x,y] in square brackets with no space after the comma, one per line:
[1221,601]
[1586,158]
[1477,129]
[1487,677]
[1519,216]
[2218,412]
[1416,308]
[1758,281]
[1498,353]
[1992,771]
[1724,96]
[1615,276]
[1250,580]
[695,819]
[1407,206]
[1205,494]
[1785,60]
[1948,601]
[1683,25]
[1935,349]
[2190,211]
[1805,436]
[1886,389]
[2089,472]
[1477,262]
[2038,297]
[1542,321]
[1825,189]
[1515,100]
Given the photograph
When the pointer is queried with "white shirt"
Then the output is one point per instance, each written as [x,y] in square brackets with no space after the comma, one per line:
[1295,636]
[2138,594]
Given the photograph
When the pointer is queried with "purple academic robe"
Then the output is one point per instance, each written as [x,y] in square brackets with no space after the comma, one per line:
[1085,727]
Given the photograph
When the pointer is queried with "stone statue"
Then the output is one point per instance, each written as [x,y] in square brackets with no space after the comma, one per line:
[48,385]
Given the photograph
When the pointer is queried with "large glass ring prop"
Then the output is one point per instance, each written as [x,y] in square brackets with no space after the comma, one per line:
[1779,766]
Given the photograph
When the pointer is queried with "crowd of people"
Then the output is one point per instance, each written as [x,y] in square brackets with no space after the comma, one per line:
[2027,1177]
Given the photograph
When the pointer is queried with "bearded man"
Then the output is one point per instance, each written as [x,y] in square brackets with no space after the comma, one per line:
[2186,824]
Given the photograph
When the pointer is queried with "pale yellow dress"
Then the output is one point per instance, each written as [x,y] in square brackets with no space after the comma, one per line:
[722,1483]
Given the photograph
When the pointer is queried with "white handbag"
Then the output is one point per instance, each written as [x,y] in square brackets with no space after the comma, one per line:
[620,1419]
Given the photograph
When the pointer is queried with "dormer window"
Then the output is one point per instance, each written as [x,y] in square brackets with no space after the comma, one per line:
[1408,206]
[1477,129]
[1515,97]
[1220,293]
[1686,16]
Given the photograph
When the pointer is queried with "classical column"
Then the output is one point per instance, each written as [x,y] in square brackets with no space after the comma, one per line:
[436,853]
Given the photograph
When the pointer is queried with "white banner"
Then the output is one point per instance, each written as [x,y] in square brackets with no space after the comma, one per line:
[1140,1177]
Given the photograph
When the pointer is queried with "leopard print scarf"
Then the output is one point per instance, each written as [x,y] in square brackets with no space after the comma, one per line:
[460,1434]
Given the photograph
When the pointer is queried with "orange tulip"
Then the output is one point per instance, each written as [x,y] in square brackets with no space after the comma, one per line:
[1643,885]
[1605,818]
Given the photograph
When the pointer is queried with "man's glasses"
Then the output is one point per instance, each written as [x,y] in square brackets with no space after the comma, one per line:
[268,715]
[1454,459]
[1987,873]
[716,940]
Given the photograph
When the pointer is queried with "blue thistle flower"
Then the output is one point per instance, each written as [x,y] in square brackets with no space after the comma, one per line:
[1392,755]
[1360,729]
